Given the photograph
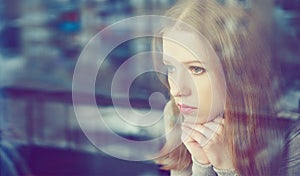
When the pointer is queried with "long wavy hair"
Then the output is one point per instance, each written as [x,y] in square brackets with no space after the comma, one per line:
[241,38]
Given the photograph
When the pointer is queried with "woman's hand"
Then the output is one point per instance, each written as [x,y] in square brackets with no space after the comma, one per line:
[206,143]
[193,146]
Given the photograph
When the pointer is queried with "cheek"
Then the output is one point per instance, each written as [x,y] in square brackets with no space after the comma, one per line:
[171,85]
[204,94]
[203,88]
[217,106]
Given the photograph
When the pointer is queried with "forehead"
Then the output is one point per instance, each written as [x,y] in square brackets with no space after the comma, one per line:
[184,46]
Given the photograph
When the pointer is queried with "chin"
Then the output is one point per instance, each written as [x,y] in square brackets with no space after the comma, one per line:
[195,119]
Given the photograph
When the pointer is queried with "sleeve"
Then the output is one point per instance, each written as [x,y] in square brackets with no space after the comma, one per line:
[186,172]
[221,172]
[196,169]
[291,161]
[201,169]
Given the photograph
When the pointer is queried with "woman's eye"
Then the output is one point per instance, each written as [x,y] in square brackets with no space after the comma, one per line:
[196,70]
[170,68]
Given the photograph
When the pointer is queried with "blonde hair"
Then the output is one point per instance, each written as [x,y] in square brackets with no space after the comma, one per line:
[241,41]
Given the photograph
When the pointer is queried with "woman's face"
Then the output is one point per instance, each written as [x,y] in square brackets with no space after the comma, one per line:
[194,76]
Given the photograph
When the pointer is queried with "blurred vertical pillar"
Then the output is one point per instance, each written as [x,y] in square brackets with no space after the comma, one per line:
[89,21]
[35,36]
[10,31]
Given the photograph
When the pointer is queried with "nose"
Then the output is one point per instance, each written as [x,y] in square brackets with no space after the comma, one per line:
[180,85]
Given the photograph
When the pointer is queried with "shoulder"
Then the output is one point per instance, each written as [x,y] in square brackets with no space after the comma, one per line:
[293,137]
[282,137]
[285,127]
[289,129]
[292,149]
[295,129]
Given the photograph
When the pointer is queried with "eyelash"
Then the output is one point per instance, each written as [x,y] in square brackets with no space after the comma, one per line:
[193,68]
[171,69]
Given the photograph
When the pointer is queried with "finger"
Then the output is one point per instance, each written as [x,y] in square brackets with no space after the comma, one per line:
[207,132]
[194,135]
[219,120]
[187,140]
[210,130]
[214,127]
[190,143]
[197,127]
[185,136]
[215,123]
[217,131]
[221,127]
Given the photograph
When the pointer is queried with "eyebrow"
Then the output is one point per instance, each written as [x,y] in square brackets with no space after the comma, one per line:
[194,61]
[187,62]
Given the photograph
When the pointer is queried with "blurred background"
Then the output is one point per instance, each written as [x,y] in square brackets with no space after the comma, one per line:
[40,42]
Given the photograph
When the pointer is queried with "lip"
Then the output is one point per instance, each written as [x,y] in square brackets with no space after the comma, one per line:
[185,109]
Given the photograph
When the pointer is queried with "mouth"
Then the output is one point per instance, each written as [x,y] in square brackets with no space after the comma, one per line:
[185,109]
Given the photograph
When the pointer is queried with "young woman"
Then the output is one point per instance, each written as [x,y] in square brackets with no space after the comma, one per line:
[223,91]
